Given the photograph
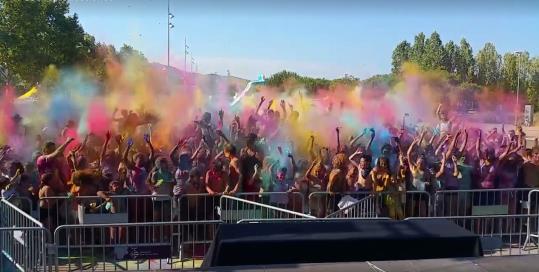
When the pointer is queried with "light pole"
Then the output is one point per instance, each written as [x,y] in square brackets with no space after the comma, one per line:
[169,27]
[185,52]
[517,110]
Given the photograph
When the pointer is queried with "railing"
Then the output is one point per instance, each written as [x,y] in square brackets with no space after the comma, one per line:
[24,248]
[501,235]
[364,208]
[193,207]
[22,239]
[93,209]
[479,202]
[397,205]
[112,247]
[530,205]
[24,203]
[303,220]
[233,209]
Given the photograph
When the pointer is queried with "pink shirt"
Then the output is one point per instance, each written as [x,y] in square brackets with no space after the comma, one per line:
[51,165]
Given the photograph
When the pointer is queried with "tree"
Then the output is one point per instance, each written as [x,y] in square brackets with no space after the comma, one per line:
[533,82]
[400,55]
[512,78]
[488,65]
[451,57]
[128,52]
[433,57]
[418,49]
[36,34]
[465,62]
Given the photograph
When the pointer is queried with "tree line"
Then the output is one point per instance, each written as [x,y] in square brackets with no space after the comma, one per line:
[487,68]
[37,34]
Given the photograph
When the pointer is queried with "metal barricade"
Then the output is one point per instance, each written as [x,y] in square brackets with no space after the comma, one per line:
[22,240]
[501,235]
[530,205]
[479,202]
[194,207]
[364,208]
[396,205]
[93,209]
[233,209]
[23,248]
[322,204]
[302,220]
[22,202]
[113,247]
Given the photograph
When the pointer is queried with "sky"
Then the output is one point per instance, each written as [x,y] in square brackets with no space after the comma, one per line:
[315,38]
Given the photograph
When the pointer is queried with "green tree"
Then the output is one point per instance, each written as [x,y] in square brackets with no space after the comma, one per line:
[488,65]
[433,57]
[400,55]
[532,91]
[451,57]
[514,71]
[35,34]
[418,49]
[128,52]
[465,62]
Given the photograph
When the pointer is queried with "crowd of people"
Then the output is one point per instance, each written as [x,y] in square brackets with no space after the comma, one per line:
[250,155]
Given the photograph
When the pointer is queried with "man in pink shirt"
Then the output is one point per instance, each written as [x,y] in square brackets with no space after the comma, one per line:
[50,162]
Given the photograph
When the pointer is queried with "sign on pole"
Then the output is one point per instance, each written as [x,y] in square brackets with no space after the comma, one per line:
[528,115]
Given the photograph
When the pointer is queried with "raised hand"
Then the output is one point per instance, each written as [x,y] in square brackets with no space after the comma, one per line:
[283,104]
[147,138]
[108,136]
[129,142]
[221,114]
[262,99]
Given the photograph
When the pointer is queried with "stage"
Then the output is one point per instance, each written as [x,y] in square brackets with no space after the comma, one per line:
[484,264]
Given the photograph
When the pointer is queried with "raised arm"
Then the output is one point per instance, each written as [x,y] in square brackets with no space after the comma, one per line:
[104,149]
[355,139]
[270,103]
[351,158]
[438,111]
[452,145]
[455,168]
[195,154]
[442,167]
[148,141]
[283,107]
[262,99]
[421,138]
[464,143]
[439,148]
[220,133]
[221,124]
[311,148]
[478,144]
[125,157]
[338,140]
[409,154]
[294,166]
[369,145]
[60,150]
